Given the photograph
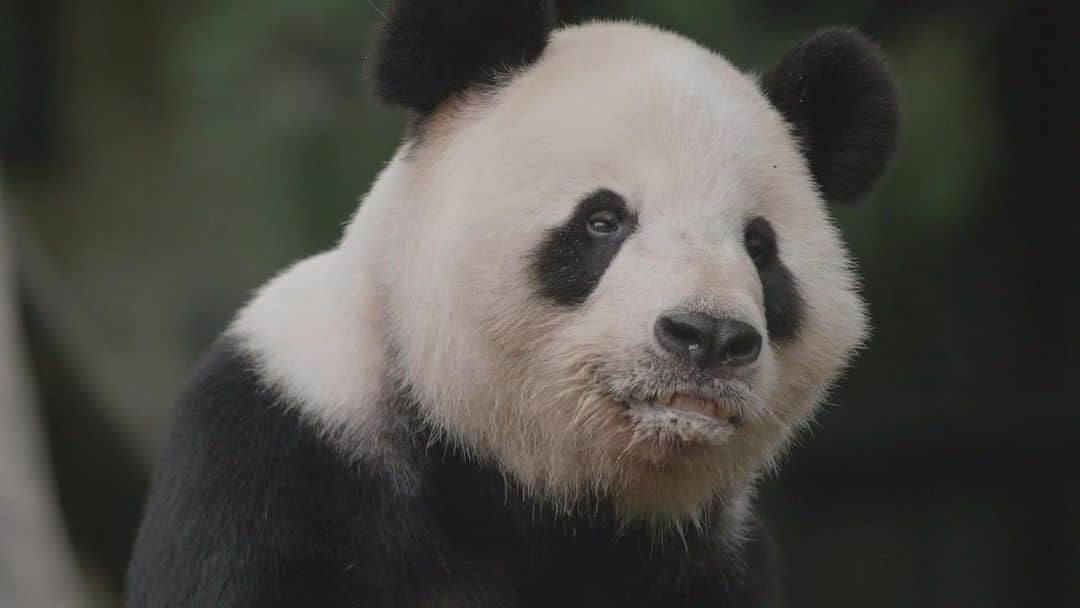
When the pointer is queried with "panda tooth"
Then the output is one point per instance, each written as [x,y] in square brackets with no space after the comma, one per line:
[692,404]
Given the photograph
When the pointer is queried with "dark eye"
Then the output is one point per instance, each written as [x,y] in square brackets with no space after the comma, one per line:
[603,222]
[760,241]
[758,250]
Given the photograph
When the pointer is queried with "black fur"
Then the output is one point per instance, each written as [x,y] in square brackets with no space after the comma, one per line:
[839,97]
[429,50]
[252,508]
[783,304]
[569,262]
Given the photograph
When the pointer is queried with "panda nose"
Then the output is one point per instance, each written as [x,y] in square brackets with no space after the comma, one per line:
[708,342]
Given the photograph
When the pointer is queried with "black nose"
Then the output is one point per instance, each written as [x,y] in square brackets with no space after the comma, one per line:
[708,342]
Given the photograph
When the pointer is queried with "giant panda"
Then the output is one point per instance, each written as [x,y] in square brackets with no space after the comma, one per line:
[580,313]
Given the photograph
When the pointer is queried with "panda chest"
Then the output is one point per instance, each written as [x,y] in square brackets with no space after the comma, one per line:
[507,550]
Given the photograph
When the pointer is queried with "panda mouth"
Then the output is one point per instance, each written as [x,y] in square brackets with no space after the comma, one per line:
[683,416]
[702,406]
[684,404]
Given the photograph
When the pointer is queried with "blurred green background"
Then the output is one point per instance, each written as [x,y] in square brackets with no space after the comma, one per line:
[160,160]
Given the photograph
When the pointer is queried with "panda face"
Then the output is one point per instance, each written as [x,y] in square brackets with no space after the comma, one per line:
[613,274]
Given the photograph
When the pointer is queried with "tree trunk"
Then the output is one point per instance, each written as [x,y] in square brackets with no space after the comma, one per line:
[36,565]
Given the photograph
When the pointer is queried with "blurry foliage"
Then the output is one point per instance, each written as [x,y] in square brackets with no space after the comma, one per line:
[170,158]
[288,79]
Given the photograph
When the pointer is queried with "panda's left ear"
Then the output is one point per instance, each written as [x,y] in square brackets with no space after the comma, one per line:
[429,50]
[841,100]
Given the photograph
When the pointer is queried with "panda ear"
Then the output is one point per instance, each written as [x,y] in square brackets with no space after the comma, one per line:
[428,50]
[837,93]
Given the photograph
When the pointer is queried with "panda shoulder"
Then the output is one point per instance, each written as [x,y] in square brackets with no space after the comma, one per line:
[242,461]
[313,332]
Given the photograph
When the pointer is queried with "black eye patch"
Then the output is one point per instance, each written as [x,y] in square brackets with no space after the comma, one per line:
[569,262]
[783,304]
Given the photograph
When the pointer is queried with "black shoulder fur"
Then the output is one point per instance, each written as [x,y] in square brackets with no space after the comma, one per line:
[841,100]
[428,50]
[251,506]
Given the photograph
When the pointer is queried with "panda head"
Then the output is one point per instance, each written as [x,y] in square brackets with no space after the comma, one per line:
[605,256]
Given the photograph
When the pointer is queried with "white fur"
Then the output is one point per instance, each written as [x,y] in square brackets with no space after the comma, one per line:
[436,264]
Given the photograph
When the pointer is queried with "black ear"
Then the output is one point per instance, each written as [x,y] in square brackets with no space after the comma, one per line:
[429,50]
[839,96]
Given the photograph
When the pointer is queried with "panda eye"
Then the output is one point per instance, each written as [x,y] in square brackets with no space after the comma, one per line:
[603,223]
[757,250]
[760,241]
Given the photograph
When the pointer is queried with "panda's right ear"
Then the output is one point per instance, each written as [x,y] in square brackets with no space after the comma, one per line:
[841,101]
[429,50]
